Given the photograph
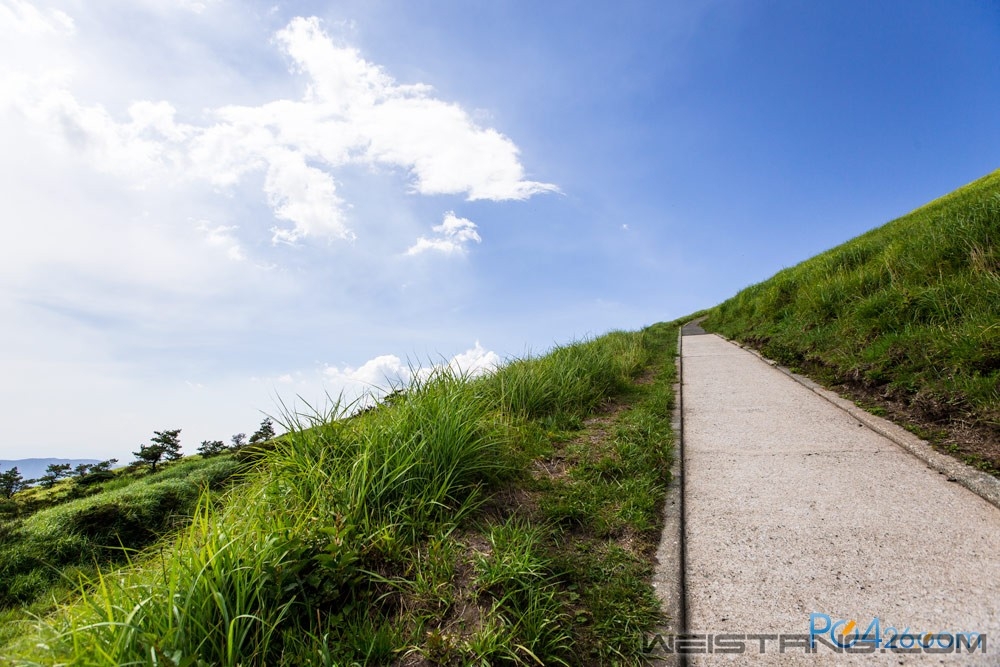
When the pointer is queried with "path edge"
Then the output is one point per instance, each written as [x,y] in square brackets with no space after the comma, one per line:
[980,483]
[669,578]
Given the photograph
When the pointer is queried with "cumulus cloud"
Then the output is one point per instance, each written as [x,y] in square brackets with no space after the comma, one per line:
[475,361]
[386,372]
[383,371]
[453,235]
[352,112]
[303,195]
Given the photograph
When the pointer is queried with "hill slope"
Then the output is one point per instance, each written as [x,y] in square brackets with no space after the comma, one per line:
[506,518]
[906,318]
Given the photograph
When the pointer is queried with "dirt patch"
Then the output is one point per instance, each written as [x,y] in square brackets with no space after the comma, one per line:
[642,545]
[646,377]
[595,432]
[554,468]
[607,411]
[464,615]
[507,501]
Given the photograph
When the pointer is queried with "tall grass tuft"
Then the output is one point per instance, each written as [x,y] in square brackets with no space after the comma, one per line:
[571,380]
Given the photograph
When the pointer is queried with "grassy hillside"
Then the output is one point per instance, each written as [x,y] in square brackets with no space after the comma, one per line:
[906,316]
[42,553]
[510,518]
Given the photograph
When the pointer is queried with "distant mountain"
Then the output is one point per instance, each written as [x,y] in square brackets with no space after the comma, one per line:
[35,468]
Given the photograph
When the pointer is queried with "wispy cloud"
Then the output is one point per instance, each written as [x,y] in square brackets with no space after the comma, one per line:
[222,236]
[24,18]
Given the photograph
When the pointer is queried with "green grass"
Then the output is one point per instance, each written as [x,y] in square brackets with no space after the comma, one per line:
[909,311]
[415,529]
[44,554]
[38,498]
[607,510]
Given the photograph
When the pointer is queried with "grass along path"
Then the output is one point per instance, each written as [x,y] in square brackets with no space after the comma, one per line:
[905,319]
[505,519]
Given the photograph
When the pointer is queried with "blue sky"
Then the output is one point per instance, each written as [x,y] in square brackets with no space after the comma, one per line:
[214,205]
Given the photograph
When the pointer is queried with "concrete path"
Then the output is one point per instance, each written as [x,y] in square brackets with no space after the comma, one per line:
[795,512]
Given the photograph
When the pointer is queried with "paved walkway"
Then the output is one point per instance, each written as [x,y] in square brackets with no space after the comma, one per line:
[793,508]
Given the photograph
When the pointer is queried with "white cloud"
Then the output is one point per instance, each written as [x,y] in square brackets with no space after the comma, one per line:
[351,388]
[475,361]
[194,5]
[379,373]
[149,147]
[387,372]
[156,119]
[453,235]
[305,196]
[446,152]
[352,112]
[163,7]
